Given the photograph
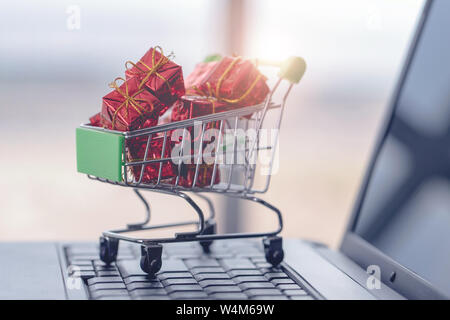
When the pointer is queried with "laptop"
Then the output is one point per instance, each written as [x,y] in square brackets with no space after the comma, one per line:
[396,245]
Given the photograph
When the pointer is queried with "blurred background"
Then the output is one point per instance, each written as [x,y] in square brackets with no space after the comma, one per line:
[57,58]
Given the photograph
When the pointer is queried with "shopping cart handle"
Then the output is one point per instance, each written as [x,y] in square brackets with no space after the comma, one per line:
[292,69]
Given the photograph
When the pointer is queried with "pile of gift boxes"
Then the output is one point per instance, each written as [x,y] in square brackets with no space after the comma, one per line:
[154,91]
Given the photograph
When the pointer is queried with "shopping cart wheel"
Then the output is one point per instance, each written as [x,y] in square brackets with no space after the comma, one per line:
[151,260]
[210,228]
[273,249]
[108,249]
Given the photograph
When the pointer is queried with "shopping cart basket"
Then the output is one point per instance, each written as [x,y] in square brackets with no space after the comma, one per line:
[104,156]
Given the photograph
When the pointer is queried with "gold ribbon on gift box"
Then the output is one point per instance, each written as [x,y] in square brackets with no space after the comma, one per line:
[153,70]
[130,101]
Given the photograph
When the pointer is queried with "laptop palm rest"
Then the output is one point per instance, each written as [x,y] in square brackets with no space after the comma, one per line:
[30,271]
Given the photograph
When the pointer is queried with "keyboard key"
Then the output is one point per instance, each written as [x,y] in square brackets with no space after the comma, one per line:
[245,249]
[301,298]
[256,254]
[263,292]
[222,289]
[229,296]
[258,259]
[169,282]
[114,298]
[270,297]
[180,248]
[268,270]
[241,279]
[189,295]
[130,268]
[107,286]
[77,268]
[84,274]
[282,281]
[144,285]
[194,263]
[217,282]
[174,275]
[98,262]
[202,270]
[276,275]
[296,292]
[108,293]
[183,287]
[256,285]
[148,292]
[237,273]
[132,279]
[105,268]
[149,297]
[173,265]
[80,262]
[237,264]
[211,276]
[183,255]
[111,273]
[220,255]
[263,265]
[289,286]
[95,280]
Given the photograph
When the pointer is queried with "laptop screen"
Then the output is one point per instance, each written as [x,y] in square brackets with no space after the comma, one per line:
[405,212]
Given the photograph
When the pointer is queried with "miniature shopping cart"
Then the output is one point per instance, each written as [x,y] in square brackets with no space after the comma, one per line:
[103,155]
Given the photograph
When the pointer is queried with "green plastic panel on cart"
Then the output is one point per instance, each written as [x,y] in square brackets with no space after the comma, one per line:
[99,153]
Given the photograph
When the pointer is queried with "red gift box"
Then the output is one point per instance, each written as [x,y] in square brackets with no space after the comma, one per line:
[189,107]
[198,76]
[136,153]
[158,74]
[129,108]
[204,176]
[236,81]
[96,120]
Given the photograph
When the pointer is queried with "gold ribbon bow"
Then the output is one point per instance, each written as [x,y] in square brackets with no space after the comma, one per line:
[130,101]
[153,69]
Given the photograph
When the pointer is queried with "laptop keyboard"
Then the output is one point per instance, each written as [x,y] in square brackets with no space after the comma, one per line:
[233,270]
